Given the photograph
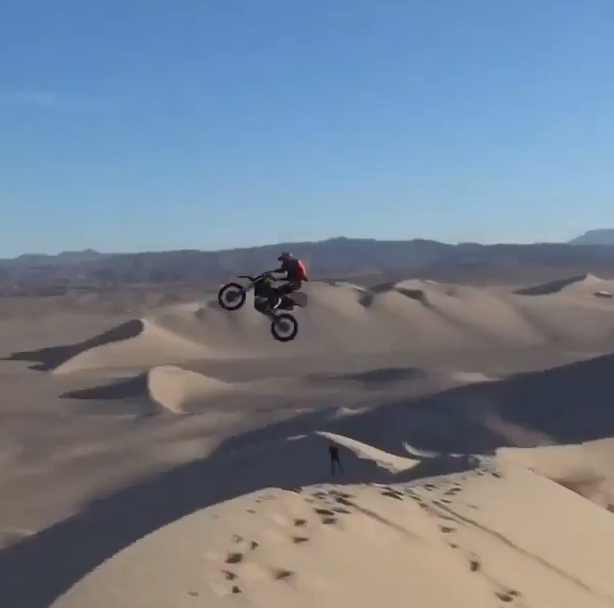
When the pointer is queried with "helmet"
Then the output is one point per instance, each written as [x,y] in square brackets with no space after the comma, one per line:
[285,255]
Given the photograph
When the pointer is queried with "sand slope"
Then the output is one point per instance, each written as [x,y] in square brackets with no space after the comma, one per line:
[475,536]
[587,469]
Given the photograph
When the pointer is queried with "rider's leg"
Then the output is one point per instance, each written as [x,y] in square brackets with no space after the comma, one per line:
[285,290]
[275,296]
[262,304]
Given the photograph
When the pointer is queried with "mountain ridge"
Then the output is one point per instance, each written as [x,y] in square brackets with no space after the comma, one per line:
[335,257]
[599,236]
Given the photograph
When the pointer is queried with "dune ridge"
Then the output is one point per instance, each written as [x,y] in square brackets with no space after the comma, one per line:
[154,344]
[585,284]
[415,316]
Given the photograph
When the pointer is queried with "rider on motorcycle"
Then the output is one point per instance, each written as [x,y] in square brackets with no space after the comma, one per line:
[295,274]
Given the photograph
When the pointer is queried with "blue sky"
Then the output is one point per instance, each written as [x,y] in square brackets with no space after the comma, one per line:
[132,125]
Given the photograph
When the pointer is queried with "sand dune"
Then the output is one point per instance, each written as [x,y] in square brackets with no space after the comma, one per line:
[499,528]
[155,344]
[178,389]
[413,316]
[139,342]
[170,387]
[462,483]
[471,535]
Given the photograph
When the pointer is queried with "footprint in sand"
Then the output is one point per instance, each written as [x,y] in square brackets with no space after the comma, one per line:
[475,563]
[228,575]
[327,517]
[243,547]
[281,574]
[338,494]
[235,557]
[236,582]
[321,511]
[390,493]
[222,590]
[297,540]
[507,595]
[341,500]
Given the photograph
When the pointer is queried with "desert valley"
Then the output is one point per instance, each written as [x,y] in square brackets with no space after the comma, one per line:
[175,455]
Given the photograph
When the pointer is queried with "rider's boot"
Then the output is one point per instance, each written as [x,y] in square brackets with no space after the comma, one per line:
[275,299]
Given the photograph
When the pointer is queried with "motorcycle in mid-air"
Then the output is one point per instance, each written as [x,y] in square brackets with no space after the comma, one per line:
[232,296]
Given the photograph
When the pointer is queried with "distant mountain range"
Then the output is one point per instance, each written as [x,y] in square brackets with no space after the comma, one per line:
[60,259]
[337,257]
[604,236]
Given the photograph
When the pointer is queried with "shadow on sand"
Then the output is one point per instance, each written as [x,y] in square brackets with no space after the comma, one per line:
[570,404]
[135,386]
[549,288]
[374,377]
[48,359]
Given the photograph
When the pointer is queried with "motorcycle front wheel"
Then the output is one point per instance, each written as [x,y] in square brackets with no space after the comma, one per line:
[284,327]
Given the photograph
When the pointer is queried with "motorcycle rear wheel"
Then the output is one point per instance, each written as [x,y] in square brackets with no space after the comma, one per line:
[231,296]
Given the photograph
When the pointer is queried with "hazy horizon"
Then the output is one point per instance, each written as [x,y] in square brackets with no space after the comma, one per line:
[251,246]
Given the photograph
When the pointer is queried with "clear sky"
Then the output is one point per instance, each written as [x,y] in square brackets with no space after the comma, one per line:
[157,124]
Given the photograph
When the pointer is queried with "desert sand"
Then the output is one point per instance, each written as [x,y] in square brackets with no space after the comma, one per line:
[179,457]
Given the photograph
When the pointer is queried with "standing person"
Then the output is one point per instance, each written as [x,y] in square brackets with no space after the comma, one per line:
[335,459]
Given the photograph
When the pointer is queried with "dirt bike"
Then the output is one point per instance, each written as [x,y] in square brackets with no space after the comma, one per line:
[232,296]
